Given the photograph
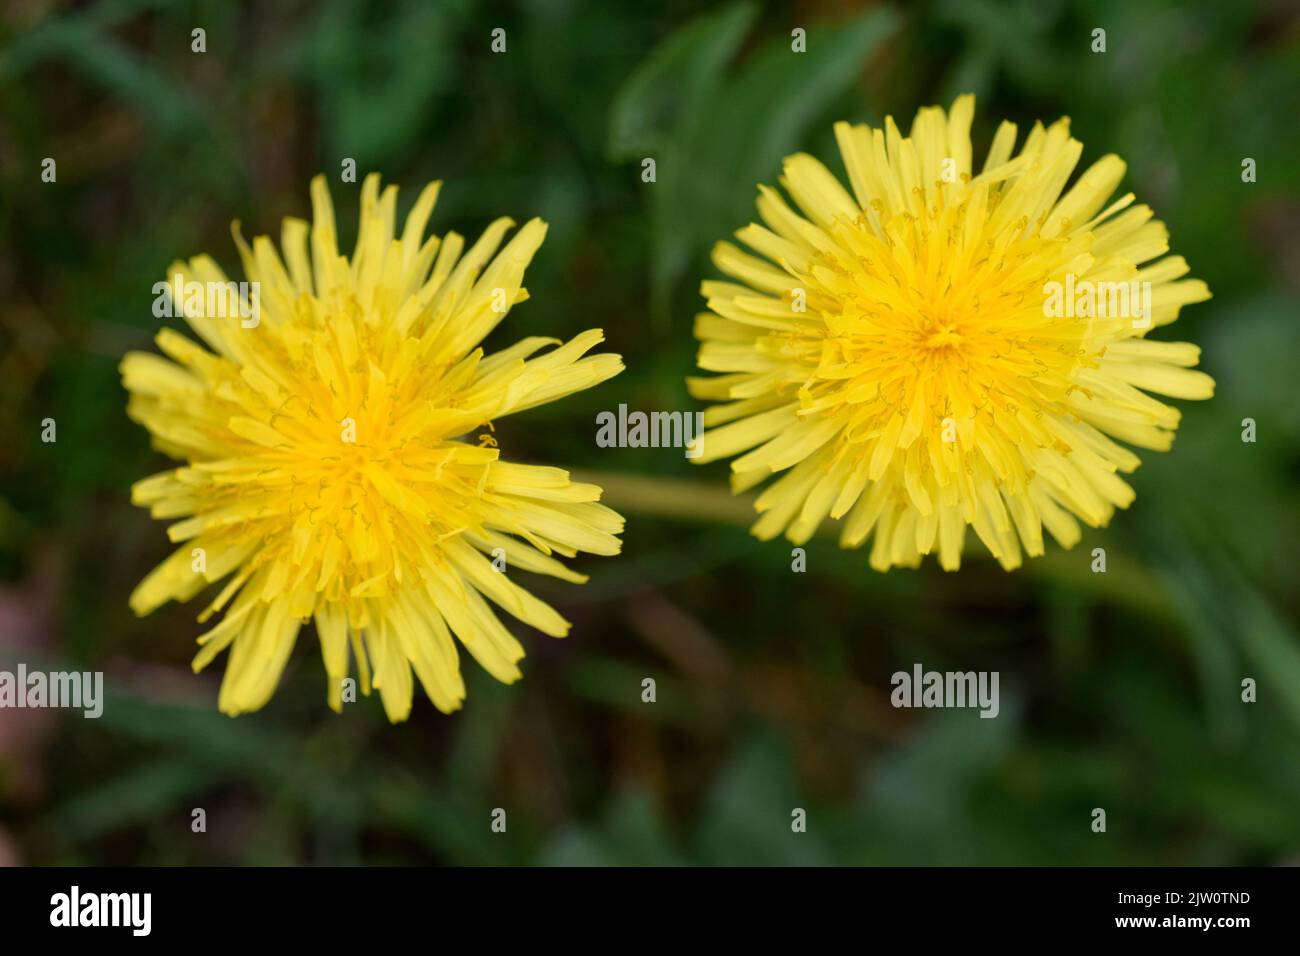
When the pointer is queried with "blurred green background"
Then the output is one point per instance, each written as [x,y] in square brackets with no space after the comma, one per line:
[1120,690]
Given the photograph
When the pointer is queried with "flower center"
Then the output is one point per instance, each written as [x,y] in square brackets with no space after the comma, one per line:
[941,335]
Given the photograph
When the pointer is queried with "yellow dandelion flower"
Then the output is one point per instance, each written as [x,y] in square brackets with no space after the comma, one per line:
[944,348]
[332,470]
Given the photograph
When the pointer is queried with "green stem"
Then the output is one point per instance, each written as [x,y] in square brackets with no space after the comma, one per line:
[1129,583]
[671,497]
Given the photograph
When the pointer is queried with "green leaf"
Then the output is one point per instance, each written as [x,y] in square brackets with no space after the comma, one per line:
[1271,645]
[712,138]
[671,89]
[632,833]
[139,795]
[747,820]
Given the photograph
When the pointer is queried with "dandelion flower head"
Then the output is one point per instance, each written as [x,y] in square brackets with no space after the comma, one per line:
[339,463]
[938,348]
